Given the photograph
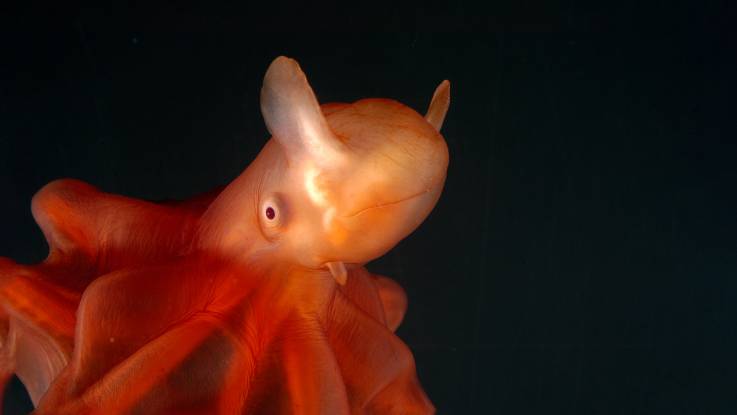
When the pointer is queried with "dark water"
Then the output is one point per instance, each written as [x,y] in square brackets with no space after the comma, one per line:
[583,257]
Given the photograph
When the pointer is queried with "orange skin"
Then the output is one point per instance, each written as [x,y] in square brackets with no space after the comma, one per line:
[248,299]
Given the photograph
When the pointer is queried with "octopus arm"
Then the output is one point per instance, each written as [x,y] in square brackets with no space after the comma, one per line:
[156,356]
[173,373]
[393,300]
[298,373]
[91,233]
[121,312]
[37,326]
[377,367]
[145,341]
[379,296]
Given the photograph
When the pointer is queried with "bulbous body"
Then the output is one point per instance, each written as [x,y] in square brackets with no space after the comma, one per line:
[247,299]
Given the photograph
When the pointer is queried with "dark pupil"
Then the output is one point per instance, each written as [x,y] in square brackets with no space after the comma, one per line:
[270,213]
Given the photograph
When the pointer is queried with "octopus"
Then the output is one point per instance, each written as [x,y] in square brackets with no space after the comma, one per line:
[249,299]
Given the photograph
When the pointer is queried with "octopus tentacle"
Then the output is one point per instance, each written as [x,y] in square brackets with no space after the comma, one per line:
[378,368]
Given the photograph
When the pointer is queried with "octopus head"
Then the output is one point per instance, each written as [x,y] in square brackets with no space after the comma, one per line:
[350,180]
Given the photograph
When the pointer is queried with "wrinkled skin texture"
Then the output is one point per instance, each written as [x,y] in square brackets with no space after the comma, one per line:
[247,299]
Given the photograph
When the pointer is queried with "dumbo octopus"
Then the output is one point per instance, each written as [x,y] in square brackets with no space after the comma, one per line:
[250,299]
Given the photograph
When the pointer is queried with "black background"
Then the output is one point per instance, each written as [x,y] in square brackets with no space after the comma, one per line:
[582,257]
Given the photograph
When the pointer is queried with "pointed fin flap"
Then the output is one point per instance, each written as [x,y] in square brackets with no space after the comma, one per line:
[292,113]
[339,272]
[439,105]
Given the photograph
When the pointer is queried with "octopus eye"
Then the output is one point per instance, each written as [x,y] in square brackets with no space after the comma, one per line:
[270,213]
[273,215]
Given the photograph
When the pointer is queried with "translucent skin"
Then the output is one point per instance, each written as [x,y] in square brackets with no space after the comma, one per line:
[212,306]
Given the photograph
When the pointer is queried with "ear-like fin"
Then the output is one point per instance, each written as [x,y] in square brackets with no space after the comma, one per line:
[339,272]
[439,105]
[292,113]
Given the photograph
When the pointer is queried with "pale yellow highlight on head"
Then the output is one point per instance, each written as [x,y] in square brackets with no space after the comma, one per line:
[314,191]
